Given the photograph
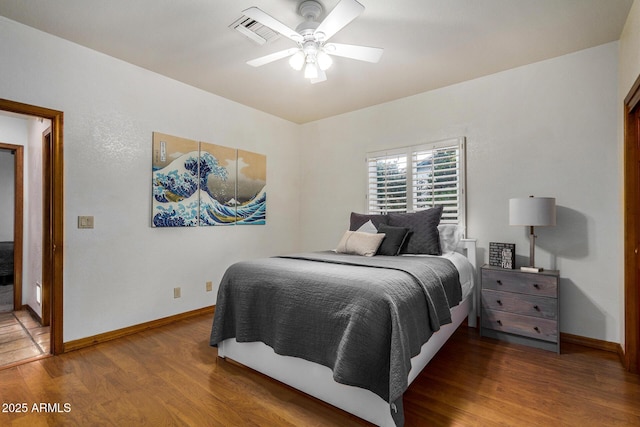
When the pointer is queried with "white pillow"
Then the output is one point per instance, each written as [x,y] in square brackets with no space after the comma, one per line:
[359,243]
[450,235]
[368,227]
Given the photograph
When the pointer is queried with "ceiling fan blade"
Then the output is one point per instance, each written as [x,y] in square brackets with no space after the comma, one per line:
[344,12]
[361,53]
[273,23]
[272,57]
[322,76]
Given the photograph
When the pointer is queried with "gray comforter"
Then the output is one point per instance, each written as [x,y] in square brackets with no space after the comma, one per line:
[362,317]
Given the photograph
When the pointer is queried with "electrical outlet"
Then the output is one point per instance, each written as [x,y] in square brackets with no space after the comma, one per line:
[209,286]
[176,292]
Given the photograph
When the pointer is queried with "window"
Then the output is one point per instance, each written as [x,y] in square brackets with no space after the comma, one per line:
[415,178]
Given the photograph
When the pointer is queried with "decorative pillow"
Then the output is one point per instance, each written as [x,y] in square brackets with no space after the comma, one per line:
[368,227]
[450,235]
[394,238]
[424,237]
[357,220]
[357,243]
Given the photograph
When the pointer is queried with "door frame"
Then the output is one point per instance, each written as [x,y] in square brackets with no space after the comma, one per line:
[54,251]
[632,228]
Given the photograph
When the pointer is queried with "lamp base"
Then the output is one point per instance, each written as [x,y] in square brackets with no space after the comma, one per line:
[531,269]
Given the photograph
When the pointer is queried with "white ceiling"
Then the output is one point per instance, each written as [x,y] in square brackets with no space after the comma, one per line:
[427,44]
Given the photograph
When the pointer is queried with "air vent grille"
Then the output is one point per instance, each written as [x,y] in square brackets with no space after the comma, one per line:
[254,30]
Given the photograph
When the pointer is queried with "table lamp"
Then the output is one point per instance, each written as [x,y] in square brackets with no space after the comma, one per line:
[532,212]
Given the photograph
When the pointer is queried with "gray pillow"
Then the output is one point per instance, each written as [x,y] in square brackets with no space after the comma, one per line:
[357,220]
[393,240]
[423,236]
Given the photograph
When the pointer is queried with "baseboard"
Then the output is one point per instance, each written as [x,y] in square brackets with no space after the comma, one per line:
[591,343]
[130,330]
[32,312]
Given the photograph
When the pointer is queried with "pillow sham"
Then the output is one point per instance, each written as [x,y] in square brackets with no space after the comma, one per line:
[368,227]
[450,235]
[357,220]
[393,241]
[423,236]
[358,243]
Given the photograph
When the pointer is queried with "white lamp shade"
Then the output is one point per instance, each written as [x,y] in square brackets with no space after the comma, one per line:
[532,211]
[297,60]
[324,61]
[311,70]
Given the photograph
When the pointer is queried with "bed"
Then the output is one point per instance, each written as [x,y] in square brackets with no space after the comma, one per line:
[6,263]
[350,329]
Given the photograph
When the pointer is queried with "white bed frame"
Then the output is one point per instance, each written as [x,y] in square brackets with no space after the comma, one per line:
[317,380]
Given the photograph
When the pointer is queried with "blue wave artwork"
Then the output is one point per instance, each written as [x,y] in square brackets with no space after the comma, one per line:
[192,188]
[218,210]
[175,193]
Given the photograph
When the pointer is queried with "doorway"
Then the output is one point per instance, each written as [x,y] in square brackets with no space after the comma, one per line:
[11,158]
[632,228]
[52,242]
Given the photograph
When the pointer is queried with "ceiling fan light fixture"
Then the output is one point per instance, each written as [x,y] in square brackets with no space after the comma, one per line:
[324,61]
[311,70]
[297,60]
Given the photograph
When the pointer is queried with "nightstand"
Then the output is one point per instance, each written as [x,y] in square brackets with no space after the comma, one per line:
[521,307]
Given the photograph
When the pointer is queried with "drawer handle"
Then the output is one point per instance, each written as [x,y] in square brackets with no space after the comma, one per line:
[499,322]
[499,282]
[535,285]
[499,302]
[536,307]
[535,328]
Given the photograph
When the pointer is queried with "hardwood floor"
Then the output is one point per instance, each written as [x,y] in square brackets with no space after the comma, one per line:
[22,338]
[170,376]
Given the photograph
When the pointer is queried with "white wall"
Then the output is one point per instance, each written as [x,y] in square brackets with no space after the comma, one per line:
[123,272]
[546,129]
[7,195]
[13,130]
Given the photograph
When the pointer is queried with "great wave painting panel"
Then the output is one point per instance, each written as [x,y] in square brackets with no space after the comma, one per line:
[218,167]
[175,181]
[251,196]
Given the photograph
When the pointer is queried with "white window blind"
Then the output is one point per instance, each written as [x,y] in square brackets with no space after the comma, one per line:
[387,183]
[420,177]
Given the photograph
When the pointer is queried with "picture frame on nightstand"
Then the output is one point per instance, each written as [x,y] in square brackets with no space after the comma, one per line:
[502,255]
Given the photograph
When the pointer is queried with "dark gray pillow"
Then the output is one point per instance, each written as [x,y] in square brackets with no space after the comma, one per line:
[357,220]
[423,236]
[394,237]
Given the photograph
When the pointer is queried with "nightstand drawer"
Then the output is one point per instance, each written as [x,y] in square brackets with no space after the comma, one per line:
[528,305]
[533,327]
[524,283]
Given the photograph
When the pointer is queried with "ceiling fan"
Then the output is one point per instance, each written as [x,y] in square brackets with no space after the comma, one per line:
[313,52]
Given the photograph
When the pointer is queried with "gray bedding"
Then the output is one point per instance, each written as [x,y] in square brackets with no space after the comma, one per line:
[363,317]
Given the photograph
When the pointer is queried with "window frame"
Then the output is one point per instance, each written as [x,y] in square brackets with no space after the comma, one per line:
[408,154]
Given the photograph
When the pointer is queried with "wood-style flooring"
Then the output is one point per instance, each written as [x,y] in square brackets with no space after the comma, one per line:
[169,376]
[22,338]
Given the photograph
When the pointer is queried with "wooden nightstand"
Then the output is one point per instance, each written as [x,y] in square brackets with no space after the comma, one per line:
[521,307]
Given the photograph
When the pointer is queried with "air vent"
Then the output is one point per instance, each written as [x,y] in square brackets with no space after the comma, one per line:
[254,30]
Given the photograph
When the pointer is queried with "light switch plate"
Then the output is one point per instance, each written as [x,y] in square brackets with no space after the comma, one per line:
[85,222]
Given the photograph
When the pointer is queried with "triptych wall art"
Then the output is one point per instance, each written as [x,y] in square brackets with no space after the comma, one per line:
[201,184]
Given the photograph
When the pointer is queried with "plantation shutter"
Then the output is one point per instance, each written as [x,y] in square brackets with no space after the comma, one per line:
[387,183]
[436,180]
